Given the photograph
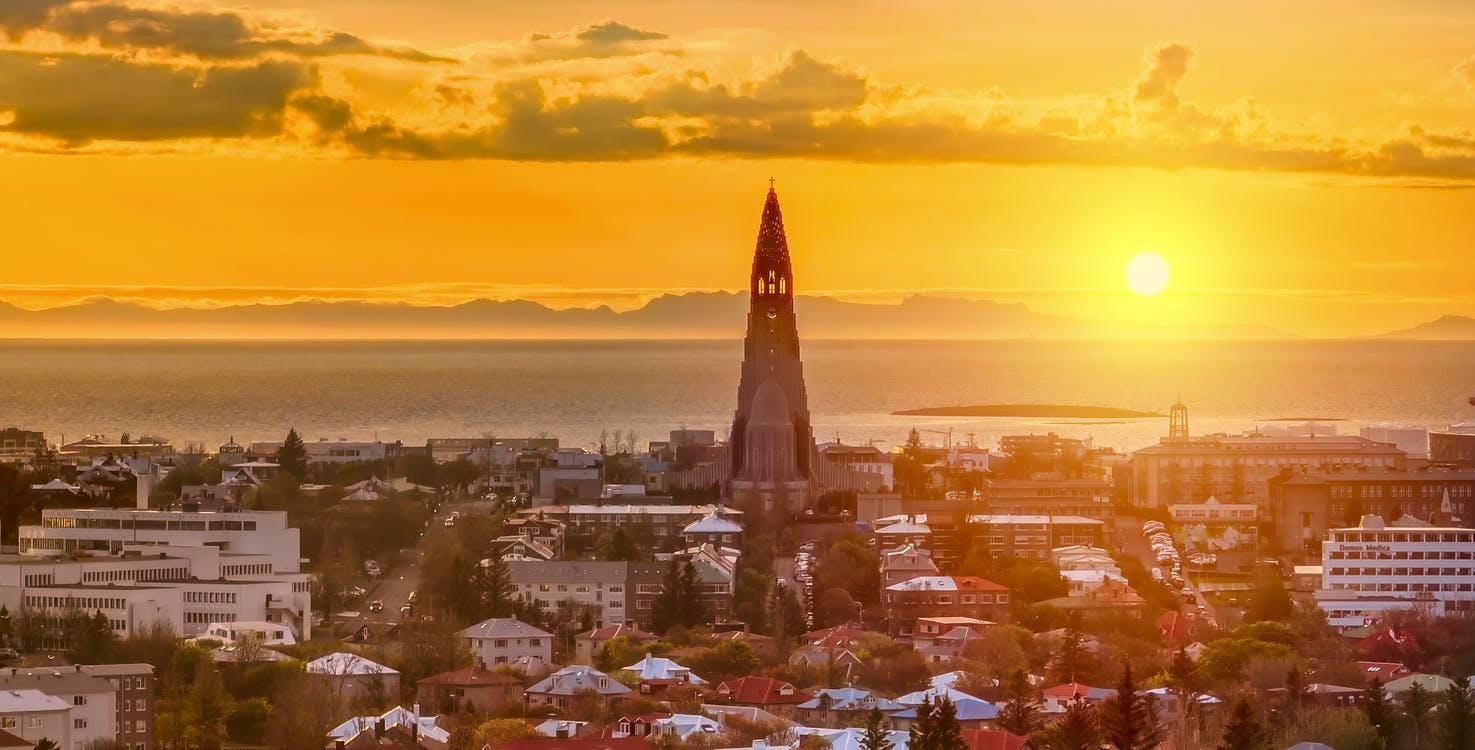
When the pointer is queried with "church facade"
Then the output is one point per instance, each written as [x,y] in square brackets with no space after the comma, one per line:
[771,447]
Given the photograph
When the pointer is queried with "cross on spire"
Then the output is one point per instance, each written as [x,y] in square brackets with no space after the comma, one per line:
[770,183]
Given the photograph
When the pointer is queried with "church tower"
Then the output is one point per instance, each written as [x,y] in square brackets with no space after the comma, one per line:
[771,444]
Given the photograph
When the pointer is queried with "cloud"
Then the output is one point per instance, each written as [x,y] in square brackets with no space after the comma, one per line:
[208,35]
[1465,72]
[599,41]
[1167,64]
[77,99]
[128,73]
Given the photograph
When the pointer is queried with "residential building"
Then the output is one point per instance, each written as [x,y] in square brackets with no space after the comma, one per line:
[340,451]
[589,643]
[1239,468]
[605,588]
[1049,495]
[1305,505]
[353,678]
[398,727]
[99,446]
[972,713]
[853,468]
[566,684]
[503,640]
[715,529]
[716,569]
[942,639]
[33,715]
[661,668]
[664,521]
[1032,536]
[133,691]
[1057,698]
[818,656]
[485,691]
[905,563]
[843,707]
[774,696]
[21,446]
[943,596]
[92,700]
[1375,568]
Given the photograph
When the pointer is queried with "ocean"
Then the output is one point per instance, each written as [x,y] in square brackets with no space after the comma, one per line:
[411,390]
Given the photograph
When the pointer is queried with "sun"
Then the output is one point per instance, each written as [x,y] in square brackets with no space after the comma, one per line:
[1147,274]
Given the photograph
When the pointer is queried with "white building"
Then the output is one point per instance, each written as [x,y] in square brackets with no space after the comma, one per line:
[1374,568]
[325,451]
[504,640]
[33,715]
[105,531]
[1410,439]
[92,701]
[139,567]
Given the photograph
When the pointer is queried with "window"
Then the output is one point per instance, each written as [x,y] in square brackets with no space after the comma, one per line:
[7,722]
[79,700]
[33,722]
[500,643]
[79,723]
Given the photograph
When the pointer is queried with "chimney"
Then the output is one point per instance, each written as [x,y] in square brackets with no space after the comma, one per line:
[415,725]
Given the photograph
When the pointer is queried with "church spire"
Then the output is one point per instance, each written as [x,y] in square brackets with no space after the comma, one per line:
[771,271]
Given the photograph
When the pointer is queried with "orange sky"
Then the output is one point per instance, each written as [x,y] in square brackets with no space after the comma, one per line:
[1303,168]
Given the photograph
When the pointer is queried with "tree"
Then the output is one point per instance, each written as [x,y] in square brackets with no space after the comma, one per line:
[1072,662]
[46,743]
[875,736]
[1379,713]
[1184,680]
[947,734]
[1244,730]
[1457,716]
[292,456]
[1130,719]
[680,600]
[1077,729]
[1021,711]
[1416,703]
[498,732]
[493,583]
[834,607]
[693,609]
[1270,601]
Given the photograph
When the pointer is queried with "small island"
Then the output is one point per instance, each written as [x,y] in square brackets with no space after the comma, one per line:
[1030,410]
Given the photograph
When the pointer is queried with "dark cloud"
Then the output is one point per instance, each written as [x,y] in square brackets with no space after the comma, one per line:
[1167,64]
[20,16]
[209,35]
[81,98]
[614,32]
[600,41]
[330,114]
[802,84]
[532,129]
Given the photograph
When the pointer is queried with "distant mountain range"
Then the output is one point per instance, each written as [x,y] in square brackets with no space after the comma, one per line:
[1446,328]
[712,315]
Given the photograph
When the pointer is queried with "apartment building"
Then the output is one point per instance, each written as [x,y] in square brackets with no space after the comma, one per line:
[133,689]
[1305,505]
[504,640]
[1057,495]
[33,716]
[1238,468]
[1374,568]
[943,596]
[93,714]
[1033,536]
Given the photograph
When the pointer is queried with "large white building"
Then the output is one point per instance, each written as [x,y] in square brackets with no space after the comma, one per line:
[138,567]
[1373,568]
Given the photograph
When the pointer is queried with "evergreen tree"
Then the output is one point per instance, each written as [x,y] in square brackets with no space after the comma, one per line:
[665,611]
[1244,730]
[1457,717]
[1416,703]
[493,582]
[1021,711]
[1077,729]
[292,456]
[1379,713]
[946,733]
[1270,601]
[1130,719]
[692,610]
[1072,661]
[1185,682]
[923,735]
[875,736]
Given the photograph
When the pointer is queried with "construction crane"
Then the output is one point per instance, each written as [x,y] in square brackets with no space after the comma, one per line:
[947,437]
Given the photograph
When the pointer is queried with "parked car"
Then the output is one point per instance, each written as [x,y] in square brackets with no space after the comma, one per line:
[376,606]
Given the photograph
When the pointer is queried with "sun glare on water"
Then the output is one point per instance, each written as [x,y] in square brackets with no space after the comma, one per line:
[1147,274]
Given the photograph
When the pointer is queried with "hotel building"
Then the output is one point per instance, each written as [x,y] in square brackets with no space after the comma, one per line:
[1374,568]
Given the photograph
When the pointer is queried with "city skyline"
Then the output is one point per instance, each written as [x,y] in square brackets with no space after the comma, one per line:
[322,150]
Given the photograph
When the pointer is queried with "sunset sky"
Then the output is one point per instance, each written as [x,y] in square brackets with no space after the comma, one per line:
[1304,165]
